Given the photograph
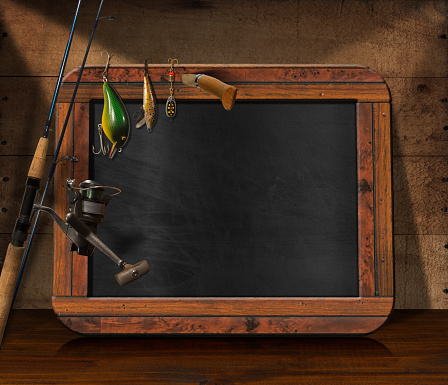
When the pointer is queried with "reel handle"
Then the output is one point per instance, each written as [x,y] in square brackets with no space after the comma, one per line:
[131,272]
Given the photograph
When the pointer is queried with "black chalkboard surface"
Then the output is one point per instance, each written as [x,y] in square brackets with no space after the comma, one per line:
[260,201]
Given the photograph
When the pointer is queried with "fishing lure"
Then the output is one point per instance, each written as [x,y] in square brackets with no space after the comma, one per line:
[149,103]
[170,108]
[115,122]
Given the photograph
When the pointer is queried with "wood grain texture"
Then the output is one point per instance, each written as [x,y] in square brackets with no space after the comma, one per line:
[384,264]
[224,325]
[421,282]
[366,234]
[81,149]
[185,307]
[410,349]
[374,92]
[419,116]
[420,195]
[375,34]
[24,106]
[242,73]
[62,275]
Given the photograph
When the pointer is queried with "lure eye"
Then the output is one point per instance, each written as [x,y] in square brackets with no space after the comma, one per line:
[123,138]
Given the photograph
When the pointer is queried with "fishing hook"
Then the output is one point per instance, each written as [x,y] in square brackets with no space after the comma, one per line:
[142,113]
[73,159]
[106,69]
[171,61]
[103,150]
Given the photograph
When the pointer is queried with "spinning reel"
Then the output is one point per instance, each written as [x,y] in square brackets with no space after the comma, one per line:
[86,206]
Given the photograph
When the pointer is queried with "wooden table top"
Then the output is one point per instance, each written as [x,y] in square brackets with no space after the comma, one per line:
[412,348]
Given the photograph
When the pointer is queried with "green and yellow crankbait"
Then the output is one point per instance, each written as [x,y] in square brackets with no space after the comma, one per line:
[115,121]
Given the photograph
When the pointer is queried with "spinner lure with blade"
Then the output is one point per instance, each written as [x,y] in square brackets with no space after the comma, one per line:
[170,107]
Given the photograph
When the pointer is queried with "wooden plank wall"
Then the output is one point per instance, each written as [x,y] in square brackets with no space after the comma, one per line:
[404,40]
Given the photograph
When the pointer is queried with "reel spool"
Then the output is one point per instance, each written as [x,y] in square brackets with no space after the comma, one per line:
[88,203]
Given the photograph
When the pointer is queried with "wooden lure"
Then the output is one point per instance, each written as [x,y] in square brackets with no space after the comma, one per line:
[149,104]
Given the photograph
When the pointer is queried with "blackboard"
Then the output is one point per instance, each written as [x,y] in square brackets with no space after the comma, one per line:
[260,201]
[272,218]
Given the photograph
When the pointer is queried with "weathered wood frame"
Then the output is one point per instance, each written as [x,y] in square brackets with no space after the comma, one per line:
[360,315]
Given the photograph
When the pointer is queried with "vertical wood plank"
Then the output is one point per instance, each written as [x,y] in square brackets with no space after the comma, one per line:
[81,172]
[366,250]
[62,256]
[383,200]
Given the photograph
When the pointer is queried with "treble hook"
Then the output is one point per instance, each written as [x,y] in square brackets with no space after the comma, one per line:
[106,69]
[103,150]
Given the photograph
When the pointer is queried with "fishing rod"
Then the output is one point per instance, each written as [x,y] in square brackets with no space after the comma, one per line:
[58,147]
[16,254]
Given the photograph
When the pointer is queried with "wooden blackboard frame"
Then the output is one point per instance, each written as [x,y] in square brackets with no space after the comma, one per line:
[255,315]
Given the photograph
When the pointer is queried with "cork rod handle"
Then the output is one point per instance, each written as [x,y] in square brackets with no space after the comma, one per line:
[8,280]
[37,165]
[16,250]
